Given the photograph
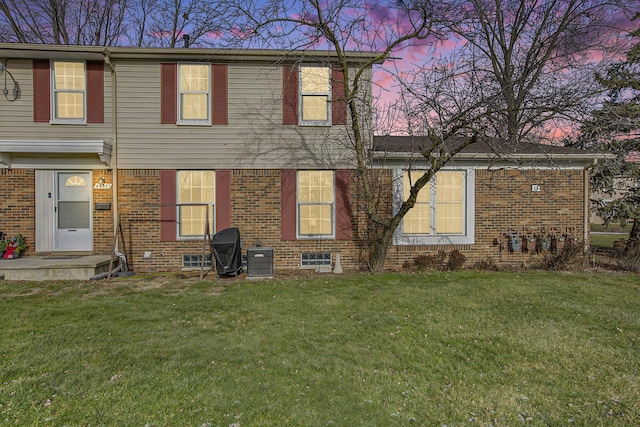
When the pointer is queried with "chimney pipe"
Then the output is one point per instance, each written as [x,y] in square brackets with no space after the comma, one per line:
[186,38]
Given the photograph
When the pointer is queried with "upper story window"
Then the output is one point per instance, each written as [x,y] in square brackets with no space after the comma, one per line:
[316,201]
[68,92]
[315,96]
[68,99]
[195,94]
[443,213]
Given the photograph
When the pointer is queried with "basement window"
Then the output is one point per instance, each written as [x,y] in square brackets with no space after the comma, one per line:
[315,259]
[193,260]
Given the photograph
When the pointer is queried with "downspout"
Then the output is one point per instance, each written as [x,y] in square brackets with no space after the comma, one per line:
[587,192]
[114,141]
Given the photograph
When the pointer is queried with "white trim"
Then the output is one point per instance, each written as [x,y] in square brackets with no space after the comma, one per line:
[333,209]
[58,121]
[10,147]
[193,122]
[57,240]
[212,219]
[437,239]
[45,210]
[319,123]
[493,161]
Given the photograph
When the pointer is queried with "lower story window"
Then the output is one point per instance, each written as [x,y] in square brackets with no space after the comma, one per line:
[443,213]
[196,199]
[316,201]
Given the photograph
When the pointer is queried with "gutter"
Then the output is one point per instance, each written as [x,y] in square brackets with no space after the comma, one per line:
[403,155]
[586,193]
[114,143]
[25,50]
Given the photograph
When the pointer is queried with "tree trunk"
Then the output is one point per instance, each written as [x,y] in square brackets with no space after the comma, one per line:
[378,249]
[634,234]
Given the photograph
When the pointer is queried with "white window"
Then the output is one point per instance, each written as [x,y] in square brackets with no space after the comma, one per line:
[315,96]
[196,196]
[194,97]
[68,92]
[316,202]
[444,209]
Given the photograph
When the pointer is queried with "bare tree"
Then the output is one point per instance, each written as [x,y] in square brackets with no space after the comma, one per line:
[383,30]
[158,23]
[535,60]
[175,23]
[522,64]
[86,22]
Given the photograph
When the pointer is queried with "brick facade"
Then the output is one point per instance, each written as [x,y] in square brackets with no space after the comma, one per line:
[255,210]
[102,218]
[17,209]
[504,204]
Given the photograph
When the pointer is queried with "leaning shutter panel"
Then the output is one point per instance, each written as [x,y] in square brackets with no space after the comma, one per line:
[168,93]
[95,92]
[41,90]
[220,98]
[343,205]
[223,199]
[168,229]
[288,205]
[338,100]
[290,95]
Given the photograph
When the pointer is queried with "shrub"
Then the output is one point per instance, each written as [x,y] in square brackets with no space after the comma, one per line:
[487,264]
[570,254]
[456,260]
[442,261]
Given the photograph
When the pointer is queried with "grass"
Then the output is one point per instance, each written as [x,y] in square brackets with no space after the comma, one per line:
[611,228]
[605,241]
[479,348]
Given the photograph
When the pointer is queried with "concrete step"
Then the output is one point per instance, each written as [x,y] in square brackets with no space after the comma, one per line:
[54,267]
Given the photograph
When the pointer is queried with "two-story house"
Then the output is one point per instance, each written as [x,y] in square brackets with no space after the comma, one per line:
[95,135]
[158,140]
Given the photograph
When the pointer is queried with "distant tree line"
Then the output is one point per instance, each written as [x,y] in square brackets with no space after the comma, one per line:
[140,23]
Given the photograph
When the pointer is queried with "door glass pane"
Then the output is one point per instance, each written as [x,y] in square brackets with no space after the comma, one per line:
[73,215]
[74,196]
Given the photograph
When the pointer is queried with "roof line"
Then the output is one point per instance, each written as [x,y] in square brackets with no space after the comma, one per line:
[124,52]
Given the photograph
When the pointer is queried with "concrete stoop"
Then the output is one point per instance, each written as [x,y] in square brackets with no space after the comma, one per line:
[54,267]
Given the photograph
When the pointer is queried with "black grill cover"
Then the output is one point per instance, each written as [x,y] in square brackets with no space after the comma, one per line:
[227,250]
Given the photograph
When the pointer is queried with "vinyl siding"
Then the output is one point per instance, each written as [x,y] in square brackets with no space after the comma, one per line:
[16,118]
[253,138]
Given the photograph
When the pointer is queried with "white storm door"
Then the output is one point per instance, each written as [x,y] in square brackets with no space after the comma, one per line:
[73,211]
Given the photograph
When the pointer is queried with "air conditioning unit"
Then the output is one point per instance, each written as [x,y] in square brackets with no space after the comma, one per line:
[260,262]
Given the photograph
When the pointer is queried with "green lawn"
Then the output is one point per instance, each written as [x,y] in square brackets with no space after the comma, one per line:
[462,348]
[605,241]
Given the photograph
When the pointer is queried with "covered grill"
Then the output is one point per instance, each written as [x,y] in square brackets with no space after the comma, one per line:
[227,251]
